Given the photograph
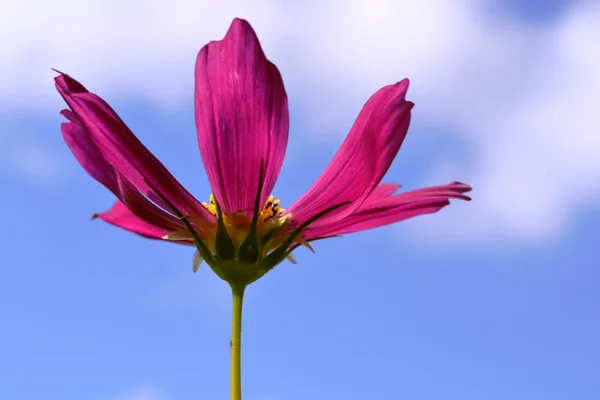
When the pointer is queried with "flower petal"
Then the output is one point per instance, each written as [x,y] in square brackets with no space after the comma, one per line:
[241,118]
[383,190]
[87,153]
[120,216]
[90,158]
[380,210]
[362,160]
[143,208]
[123,151]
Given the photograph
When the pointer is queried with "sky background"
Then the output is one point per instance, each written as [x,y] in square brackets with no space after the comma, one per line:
[493,299]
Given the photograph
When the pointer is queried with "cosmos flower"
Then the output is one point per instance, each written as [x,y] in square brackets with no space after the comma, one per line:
[242,122]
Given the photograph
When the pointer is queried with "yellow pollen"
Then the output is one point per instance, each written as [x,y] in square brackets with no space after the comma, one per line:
[212,207]
[269,211]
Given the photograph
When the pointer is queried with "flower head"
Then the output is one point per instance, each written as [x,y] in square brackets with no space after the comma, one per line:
[242,122]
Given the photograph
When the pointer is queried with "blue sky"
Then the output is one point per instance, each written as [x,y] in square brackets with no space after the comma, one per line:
[493,299]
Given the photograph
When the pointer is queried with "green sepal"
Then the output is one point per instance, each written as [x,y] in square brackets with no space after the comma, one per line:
[249,251]
[223,243]
[279,254]
[294,247]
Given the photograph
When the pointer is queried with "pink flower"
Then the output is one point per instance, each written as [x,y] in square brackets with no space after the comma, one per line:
[242,122]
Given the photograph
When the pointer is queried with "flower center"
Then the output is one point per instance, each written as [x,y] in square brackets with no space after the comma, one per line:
[269,211]
[238,225]
[271,228]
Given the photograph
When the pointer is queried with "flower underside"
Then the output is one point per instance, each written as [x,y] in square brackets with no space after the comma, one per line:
[239,247]
[270,226]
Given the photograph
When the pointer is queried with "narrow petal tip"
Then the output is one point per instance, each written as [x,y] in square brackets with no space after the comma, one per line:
[239,23]
[403,84]
[462,187]
[67,85]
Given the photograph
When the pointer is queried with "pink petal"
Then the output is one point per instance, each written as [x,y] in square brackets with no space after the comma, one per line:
[120,216]
[123,151]
[90,158]
[380,210]
[87,153]
[241,117]
[363,159]
[383,190]
[143,208]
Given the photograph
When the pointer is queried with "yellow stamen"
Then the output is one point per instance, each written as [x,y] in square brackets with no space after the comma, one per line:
[270,210]
[212,207]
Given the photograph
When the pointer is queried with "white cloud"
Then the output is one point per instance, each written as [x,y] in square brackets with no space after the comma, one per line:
[524,97]
[141,394]
[129,47]
[537,141]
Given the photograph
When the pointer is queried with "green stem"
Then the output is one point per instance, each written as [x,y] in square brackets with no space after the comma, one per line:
[236,341]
